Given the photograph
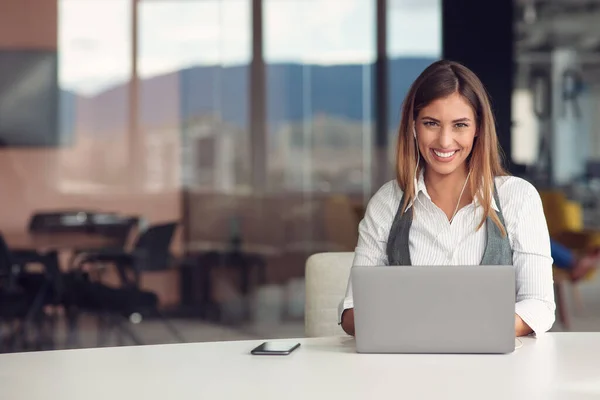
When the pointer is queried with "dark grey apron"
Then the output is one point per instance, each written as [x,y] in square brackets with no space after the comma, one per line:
[497,248]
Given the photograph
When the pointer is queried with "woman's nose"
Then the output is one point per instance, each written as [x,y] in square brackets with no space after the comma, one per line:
[446,139]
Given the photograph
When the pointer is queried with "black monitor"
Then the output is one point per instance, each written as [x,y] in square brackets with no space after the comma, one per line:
[29,98]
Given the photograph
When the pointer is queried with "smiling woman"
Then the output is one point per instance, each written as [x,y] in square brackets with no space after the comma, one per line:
[452,203]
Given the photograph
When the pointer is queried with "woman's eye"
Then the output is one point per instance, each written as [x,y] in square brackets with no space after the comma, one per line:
[429,123]
[461,125]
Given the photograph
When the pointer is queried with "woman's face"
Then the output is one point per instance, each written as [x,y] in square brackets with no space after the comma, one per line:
[446,129]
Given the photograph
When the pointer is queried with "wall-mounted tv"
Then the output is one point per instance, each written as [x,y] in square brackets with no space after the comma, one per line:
[29,98]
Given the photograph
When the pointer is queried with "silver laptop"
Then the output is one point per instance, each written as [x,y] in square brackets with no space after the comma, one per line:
[437,309]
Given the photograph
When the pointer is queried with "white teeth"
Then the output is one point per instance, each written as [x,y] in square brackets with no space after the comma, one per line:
[444,155]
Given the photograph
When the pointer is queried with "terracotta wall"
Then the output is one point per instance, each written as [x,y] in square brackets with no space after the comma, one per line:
[28,24]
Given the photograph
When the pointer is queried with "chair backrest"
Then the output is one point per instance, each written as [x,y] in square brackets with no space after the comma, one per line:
[153,246]
[60,221]
[326,281]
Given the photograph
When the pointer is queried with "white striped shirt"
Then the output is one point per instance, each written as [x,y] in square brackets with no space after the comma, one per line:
[434,241]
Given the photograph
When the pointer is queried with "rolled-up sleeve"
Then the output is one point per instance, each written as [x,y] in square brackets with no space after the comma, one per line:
[532,260]
[373,233]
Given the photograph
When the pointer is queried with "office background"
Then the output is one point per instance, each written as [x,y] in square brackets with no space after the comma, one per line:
[250,134]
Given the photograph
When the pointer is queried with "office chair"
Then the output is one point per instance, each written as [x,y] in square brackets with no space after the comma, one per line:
[150,253]
[326,281]
[113,226]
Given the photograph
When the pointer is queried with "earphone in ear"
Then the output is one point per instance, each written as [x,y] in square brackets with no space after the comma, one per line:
[414,131]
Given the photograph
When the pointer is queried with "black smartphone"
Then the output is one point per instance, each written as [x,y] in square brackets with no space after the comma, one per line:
[275,348]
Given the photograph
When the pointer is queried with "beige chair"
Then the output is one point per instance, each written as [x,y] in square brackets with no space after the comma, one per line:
[326,280]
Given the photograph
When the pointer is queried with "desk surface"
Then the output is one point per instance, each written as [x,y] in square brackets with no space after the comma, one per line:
[557,366]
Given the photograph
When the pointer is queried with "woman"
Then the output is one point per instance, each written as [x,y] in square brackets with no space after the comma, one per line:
[452,202]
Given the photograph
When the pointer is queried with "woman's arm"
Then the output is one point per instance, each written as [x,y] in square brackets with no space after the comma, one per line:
[530,241]
[373,233]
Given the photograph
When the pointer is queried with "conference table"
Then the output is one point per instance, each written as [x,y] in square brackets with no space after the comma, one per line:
[555,366]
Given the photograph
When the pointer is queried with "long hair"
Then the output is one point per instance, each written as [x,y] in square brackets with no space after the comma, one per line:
[439,80]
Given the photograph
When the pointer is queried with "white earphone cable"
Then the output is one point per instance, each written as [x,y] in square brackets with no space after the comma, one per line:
[519,344]
[460,197]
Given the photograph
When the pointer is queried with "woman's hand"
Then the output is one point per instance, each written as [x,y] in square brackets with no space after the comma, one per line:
[521,328]
[348,321]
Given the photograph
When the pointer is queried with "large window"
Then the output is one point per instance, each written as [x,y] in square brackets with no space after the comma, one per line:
[193,56]
[94,46]
[250,123]
[319,93]
[192,65]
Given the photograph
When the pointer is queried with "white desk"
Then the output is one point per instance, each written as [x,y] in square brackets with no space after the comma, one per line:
[558,366]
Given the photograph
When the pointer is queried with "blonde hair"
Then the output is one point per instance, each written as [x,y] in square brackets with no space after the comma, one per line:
[439,80]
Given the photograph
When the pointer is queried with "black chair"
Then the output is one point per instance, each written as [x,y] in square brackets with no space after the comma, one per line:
[21,305]
[115,227]
[150,253]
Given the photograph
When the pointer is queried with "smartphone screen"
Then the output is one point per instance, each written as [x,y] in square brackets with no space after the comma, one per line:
[275,348]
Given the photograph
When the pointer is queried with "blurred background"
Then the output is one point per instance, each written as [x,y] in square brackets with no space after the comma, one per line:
[169,165]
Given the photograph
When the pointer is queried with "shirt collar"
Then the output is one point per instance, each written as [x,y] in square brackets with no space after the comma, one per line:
[421,188]
[421,185]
